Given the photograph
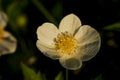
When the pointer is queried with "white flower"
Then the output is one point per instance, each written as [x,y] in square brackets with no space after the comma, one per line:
[71,43]
[7,41]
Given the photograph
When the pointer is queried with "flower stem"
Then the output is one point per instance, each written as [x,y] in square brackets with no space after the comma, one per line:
[44,11]
[66,74]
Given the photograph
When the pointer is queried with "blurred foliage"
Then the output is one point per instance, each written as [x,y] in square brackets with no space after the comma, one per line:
[99,77]
[113,27]
[30,74]
[26,15]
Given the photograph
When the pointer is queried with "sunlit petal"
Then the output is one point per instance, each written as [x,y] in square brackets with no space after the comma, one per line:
[47,32]
[48,50]
[89,42]
[70,23]
[8,44]
[71,62]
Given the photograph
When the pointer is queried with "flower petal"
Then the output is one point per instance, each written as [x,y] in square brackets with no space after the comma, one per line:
[70,23]
[89,42]
[71,62]
[1,32]
[3,19]
[47,32]
[48,50]
[8,44]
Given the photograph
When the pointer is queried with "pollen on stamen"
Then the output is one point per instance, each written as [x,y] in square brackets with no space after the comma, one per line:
[66,43]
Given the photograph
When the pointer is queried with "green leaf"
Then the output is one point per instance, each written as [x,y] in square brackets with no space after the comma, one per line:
[115,26]
[99,77]
[59,76]
[30,74]
[38,76]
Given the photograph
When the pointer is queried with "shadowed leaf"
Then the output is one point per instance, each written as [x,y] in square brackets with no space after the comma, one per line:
[30,74]
[59,76]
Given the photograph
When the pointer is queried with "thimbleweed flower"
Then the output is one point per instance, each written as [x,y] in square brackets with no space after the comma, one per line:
[7,41]
[72,43]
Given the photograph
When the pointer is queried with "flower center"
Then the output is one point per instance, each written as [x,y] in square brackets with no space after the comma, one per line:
[1,32]
[66,43]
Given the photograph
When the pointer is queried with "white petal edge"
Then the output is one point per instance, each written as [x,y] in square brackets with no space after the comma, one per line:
[71,62]
[70,23]
[8,44]
[47,50]
[89,42]
[47,32]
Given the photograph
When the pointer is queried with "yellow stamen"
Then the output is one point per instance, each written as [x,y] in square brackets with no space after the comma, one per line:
[66,43]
